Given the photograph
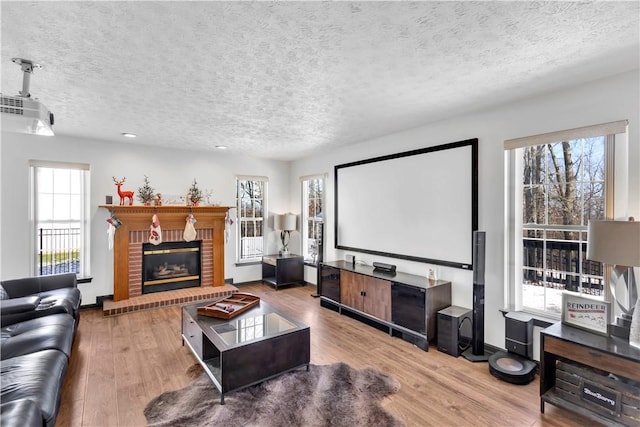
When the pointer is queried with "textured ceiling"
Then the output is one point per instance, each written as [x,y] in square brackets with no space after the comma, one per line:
[282,80]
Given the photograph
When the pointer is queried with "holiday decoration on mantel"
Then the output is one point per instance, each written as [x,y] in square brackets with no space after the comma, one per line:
[114,224]
[194,195]
[228,222]
[206,196]
[123,194]
[146,193]
[111,231]
[155,236]
[190,232]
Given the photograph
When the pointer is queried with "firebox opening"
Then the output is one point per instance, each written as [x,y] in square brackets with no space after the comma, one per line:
[170,265]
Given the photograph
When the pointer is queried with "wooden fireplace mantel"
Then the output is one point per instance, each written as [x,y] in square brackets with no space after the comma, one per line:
[137,218]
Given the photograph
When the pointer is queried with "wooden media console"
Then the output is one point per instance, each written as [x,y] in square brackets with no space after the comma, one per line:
[402,304]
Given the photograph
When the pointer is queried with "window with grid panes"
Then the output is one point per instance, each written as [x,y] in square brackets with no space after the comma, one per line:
[251,204]
[557,187]
[59,218]
[312,216]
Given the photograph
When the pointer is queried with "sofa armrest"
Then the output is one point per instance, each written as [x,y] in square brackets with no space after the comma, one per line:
[19,305]
[33,285]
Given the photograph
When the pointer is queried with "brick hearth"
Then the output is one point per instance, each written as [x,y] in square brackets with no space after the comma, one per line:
[163,299]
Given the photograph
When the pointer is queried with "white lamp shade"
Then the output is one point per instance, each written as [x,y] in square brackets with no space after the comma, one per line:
[614,242]
[289,222]
[285,222]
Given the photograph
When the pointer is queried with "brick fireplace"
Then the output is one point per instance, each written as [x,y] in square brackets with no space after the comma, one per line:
[134,231]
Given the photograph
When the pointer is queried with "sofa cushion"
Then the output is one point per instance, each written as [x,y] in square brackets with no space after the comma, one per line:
[70,297]
[43,333]
[37,377]
[65,300]
[19,305]
[37,284]
[20,413]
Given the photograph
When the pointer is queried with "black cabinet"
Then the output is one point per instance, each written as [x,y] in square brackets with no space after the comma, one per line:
[279,270]
[408,307]
[330,282]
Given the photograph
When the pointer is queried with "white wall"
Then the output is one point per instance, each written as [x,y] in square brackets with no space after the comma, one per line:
[601,101]
[169,171]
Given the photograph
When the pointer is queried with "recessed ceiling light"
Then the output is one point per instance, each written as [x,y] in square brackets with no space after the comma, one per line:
[221,147]
[128,135]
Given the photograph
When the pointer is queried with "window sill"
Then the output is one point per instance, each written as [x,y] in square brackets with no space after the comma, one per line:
[84,279]
[245,264]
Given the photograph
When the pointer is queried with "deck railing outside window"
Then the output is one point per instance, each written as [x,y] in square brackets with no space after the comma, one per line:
[59,251]
[563,265]
[251,247]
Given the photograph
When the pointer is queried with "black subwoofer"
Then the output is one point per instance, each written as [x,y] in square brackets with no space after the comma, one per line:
[455,329]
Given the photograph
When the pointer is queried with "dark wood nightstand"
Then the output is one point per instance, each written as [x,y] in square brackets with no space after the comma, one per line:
[279,270]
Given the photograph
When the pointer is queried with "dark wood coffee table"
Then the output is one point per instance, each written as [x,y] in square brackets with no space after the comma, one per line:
[252,347]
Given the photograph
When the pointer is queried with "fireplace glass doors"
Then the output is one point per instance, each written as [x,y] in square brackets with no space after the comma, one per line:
[170,265]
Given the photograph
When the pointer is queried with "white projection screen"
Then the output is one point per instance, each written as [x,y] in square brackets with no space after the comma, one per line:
[420,205]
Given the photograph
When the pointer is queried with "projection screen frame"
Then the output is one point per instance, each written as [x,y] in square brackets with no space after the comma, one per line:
[473,143]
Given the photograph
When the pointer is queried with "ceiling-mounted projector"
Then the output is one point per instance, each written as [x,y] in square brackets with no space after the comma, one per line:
[26,115]
[22,113]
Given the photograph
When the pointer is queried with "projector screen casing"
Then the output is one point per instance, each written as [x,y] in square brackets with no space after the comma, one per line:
[420,205]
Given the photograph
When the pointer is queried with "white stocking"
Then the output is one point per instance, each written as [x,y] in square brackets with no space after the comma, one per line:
[155,236]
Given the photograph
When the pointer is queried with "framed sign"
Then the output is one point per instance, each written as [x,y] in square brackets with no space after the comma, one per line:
[585,312]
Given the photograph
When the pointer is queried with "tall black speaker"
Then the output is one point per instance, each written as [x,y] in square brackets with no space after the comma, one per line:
[319,259]
[320,243]
[476,352]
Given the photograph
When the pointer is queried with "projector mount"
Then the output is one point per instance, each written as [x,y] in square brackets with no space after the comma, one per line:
[28,67]
[22,113]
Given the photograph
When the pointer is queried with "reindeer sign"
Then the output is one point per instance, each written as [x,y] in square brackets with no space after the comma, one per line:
[123,194]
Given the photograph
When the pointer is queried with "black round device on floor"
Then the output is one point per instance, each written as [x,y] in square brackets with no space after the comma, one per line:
[512,368]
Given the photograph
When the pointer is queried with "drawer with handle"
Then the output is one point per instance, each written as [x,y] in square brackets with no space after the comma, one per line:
[192,333]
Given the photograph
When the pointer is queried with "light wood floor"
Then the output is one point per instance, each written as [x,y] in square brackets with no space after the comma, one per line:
[120,363]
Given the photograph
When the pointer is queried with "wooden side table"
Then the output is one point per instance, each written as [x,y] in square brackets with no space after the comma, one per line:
[573,375]
[279,270]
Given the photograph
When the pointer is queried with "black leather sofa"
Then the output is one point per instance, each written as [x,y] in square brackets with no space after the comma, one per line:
[30,297]
[39,321]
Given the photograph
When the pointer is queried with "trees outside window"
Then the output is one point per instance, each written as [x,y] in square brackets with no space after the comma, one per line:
[556,183]
[251,202]
[562,189]
[312,216]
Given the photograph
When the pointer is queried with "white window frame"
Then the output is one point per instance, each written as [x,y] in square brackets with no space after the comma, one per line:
[36,197]
[239,219]
[513,202]
[304,228]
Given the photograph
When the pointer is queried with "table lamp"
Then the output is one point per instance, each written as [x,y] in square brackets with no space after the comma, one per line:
[286,223]
[618,243]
